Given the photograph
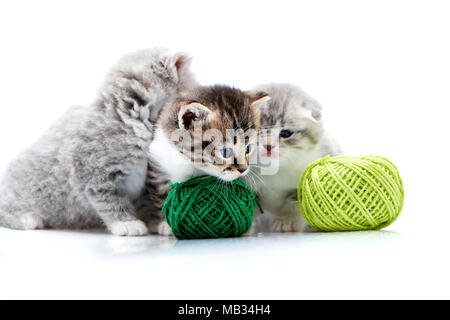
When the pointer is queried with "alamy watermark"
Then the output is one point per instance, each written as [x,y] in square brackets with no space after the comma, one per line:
[236,147]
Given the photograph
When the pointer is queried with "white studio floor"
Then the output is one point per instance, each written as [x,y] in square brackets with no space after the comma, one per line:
[391,263]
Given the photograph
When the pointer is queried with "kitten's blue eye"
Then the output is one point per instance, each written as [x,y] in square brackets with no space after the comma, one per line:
[226,152]
[248,149]
[286,133]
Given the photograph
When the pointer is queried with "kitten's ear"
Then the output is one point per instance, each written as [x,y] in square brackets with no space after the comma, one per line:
[180,63]
[190,113]
[314,116]
[259,99]
[311,111]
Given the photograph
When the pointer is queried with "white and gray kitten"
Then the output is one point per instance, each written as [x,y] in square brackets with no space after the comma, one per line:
[291,137]
[89,169]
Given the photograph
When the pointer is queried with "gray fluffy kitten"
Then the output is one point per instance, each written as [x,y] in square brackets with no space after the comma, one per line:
[90,168]
[291,137]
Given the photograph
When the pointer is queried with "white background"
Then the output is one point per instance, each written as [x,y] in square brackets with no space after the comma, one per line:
[381,69]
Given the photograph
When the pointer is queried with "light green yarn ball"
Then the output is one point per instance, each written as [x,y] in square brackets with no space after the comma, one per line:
[350,193]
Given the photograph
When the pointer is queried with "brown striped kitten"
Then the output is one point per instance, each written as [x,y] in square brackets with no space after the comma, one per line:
[212,130]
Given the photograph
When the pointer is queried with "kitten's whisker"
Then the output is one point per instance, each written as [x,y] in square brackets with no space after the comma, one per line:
[252,181]
[256,175]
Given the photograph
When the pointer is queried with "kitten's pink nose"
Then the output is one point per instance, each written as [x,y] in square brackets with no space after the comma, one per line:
[269,149]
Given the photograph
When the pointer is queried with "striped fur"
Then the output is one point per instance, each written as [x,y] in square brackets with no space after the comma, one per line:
[192,130]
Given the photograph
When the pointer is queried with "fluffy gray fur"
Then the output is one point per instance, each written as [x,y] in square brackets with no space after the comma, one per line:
[89,169]
[289,109]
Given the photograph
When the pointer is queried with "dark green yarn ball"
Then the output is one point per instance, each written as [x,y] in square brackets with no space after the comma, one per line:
[206,207]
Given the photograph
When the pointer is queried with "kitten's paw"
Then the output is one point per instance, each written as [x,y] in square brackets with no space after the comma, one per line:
[132,228]
[309,229]
[164,229]
[279,225]
[31,221]
[252,231]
